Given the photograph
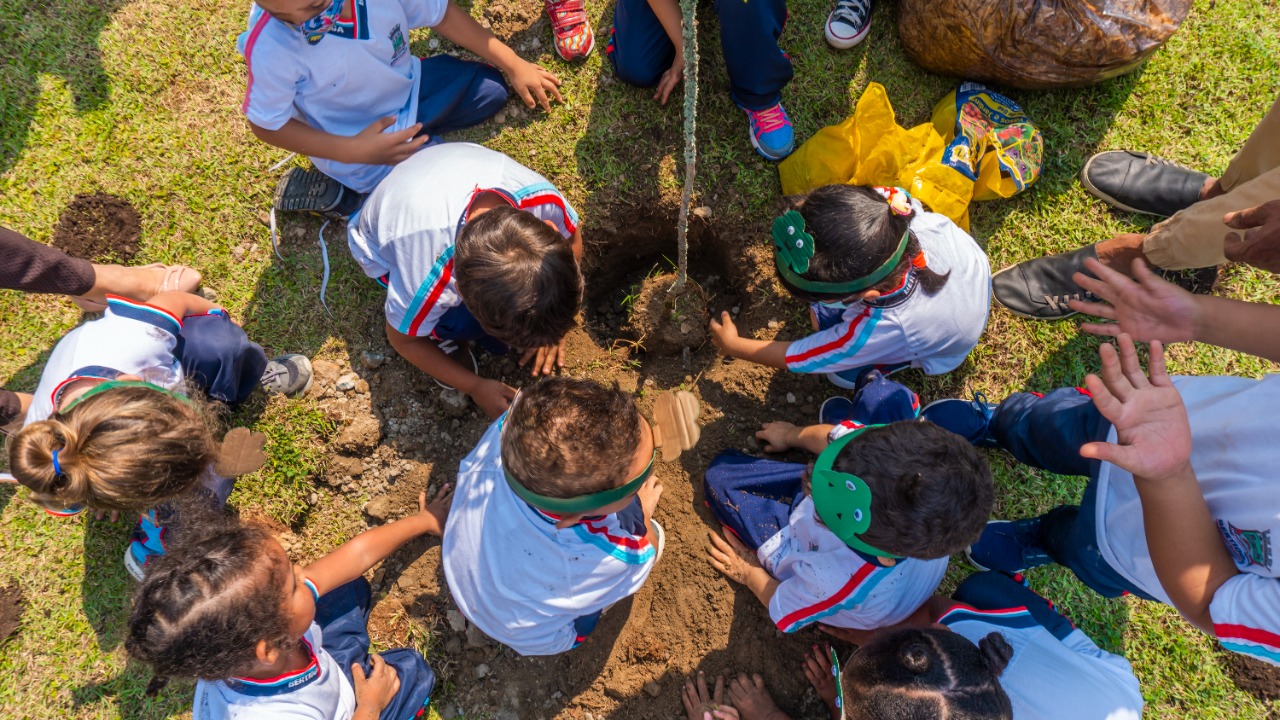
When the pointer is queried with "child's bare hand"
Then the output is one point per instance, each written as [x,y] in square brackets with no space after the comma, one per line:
[493,397]
[700,704]
[723,332]
[438,507]
[669,80]
[650,492]
[545,359]
[777,436]
[376,147]
[1144,306]
[108,515]
[852,636]
[728,555]
[379,688]
[1153,435]
[534,84]
[817,668]
[749,695]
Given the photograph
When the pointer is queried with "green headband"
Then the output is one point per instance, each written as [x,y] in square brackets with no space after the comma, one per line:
[796,249]
[843,501]
[581,503]
[113,384]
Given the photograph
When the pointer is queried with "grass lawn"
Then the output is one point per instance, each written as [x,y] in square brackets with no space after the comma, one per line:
[140,99]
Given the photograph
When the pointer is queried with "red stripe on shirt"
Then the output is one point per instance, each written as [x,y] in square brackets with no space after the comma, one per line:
[1243,632]
[636,544]
[248,54]
[137,303]
[844,592]
[445,273]
[552,199]
[834,344]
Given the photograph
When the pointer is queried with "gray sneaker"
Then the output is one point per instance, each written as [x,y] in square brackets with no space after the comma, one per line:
[287,375]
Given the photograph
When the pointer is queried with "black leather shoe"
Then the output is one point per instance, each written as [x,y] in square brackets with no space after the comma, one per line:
[1039,289]
[1141,183]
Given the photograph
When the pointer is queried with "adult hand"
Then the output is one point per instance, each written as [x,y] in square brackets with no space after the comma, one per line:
[375,147]
[669,80]
[534,84]
[777,436]
[723,332]
[438,509]
[700,704]
[817,669]
[1259,244]
[379,688]
[728,555]
[493,397]
[1153,435]
[545,359]
[650,492]
[1148,309]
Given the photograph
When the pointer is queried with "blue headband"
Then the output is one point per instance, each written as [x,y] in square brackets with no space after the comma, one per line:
[57,468]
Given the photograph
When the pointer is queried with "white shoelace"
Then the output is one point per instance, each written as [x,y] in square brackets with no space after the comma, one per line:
[324,256]
[854,12]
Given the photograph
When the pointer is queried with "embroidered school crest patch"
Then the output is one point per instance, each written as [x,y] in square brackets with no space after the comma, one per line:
[399,48]
[1248,547]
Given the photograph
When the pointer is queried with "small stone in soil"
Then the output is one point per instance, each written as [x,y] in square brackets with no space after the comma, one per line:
[456,621]
[371,360]
[347,382]
[379,508]
[455,403]
[774,324]
[482,670]
[325,371]
[652,689]
[362,387]
[791,398]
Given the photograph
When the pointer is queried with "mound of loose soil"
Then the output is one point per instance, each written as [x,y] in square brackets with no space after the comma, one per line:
[1254,676]
[666,322]
[10,611]
[101,228]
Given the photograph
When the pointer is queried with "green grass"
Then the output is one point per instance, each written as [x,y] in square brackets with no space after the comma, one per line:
[140,99]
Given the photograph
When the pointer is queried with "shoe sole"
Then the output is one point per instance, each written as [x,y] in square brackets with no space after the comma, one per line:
[842,44]
[822,409]
[980,566]
[661,536]
[131,565]
[475,364]
[293,192]
[1019,313]
[840,382]
[1094,191]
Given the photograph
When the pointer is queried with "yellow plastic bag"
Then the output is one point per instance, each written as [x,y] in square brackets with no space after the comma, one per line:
[870,148]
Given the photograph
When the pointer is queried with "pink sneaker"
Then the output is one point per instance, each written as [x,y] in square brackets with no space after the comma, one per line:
[573,37]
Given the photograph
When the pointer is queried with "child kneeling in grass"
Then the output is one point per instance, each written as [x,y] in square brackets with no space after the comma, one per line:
[270,639]
[861,538]
[472,247]
[889,286]
[552,522]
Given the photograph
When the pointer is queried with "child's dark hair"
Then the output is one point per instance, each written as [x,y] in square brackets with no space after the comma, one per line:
[204,607]
[566,437]
[518,276]
[854,232]
[128,448]
[931,491]
[927,673]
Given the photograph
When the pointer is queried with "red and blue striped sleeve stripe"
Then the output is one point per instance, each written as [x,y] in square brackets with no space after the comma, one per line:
[850,595]
[1014,618]
[428,294]
[546,194]
[630,550]
[1253,642]
[854,337]
[142,312]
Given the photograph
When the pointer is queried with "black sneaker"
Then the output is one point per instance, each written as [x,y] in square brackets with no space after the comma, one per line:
[1141,182]
[1012,547]
[1039,289]
[287,375]
[314,192]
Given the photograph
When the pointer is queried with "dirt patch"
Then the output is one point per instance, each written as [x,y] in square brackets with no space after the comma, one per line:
[664,320]
[10,611]
[101,228]
[1254,676]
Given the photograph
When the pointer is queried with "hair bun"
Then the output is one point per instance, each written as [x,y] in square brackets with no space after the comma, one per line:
[916,657]
[996,652]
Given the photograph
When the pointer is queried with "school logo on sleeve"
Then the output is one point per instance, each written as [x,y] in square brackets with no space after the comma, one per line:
[1248,547]
[399,47]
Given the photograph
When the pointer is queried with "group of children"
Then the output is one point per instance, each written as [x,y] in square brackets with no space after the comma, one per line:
[477,251]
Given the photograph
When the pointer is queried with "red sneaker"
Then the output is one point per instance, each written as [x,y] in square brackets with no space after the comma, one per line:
[573,37]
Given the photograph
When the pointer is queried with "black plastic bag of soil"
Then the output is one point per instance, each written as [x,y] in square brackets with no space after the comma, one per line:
[1035,44]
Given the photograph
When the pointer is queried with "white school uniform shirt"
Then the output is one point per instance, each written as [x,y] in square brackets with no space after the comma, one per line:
[359,72]
[1234,428]
[822,579]
[906,326]
[1052,679]
[405,232]
[518,578]
[131,338]
[320,691]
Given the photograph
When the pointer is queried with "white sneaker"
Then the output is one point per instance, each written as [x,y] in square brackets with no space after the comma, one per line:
[848,23]
[661,536]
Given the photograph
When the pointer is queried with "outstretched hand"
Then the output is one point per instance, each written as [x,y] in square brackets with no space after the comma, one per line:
[731,557]
[702,705]
[1259,244]
[1144,307]
[1153,435]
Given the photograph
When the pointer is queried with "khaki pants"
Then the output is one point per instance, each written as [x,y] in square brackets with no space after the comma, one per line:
[1194,237]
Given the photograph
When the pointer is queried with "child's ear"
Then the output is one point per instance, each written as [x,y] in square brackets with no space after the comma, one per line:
[568,521]
[266,653]
[866,295]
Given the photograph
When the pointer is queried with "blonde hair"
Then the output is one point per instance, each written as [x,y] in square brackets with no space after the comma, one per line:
[127,448]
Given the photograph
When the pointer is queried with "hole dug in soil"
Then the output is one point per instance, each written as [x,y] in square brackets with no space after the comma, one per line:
[10,611]
[99,228]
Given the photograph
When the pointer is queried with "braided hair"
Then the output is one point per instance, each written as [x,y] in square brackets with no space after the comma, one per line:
[203,608]
[927,674]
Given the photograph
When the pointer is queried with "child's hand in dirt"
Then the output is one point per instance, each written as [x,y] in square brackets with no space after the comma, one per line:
[731,557]
[649,493]
[669,80]
[777,436]
[817,668]
[749,695]
[723,332]
[378,689]
[545,359]
[437,511]
[493,397]
[702,705]
[534,84]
